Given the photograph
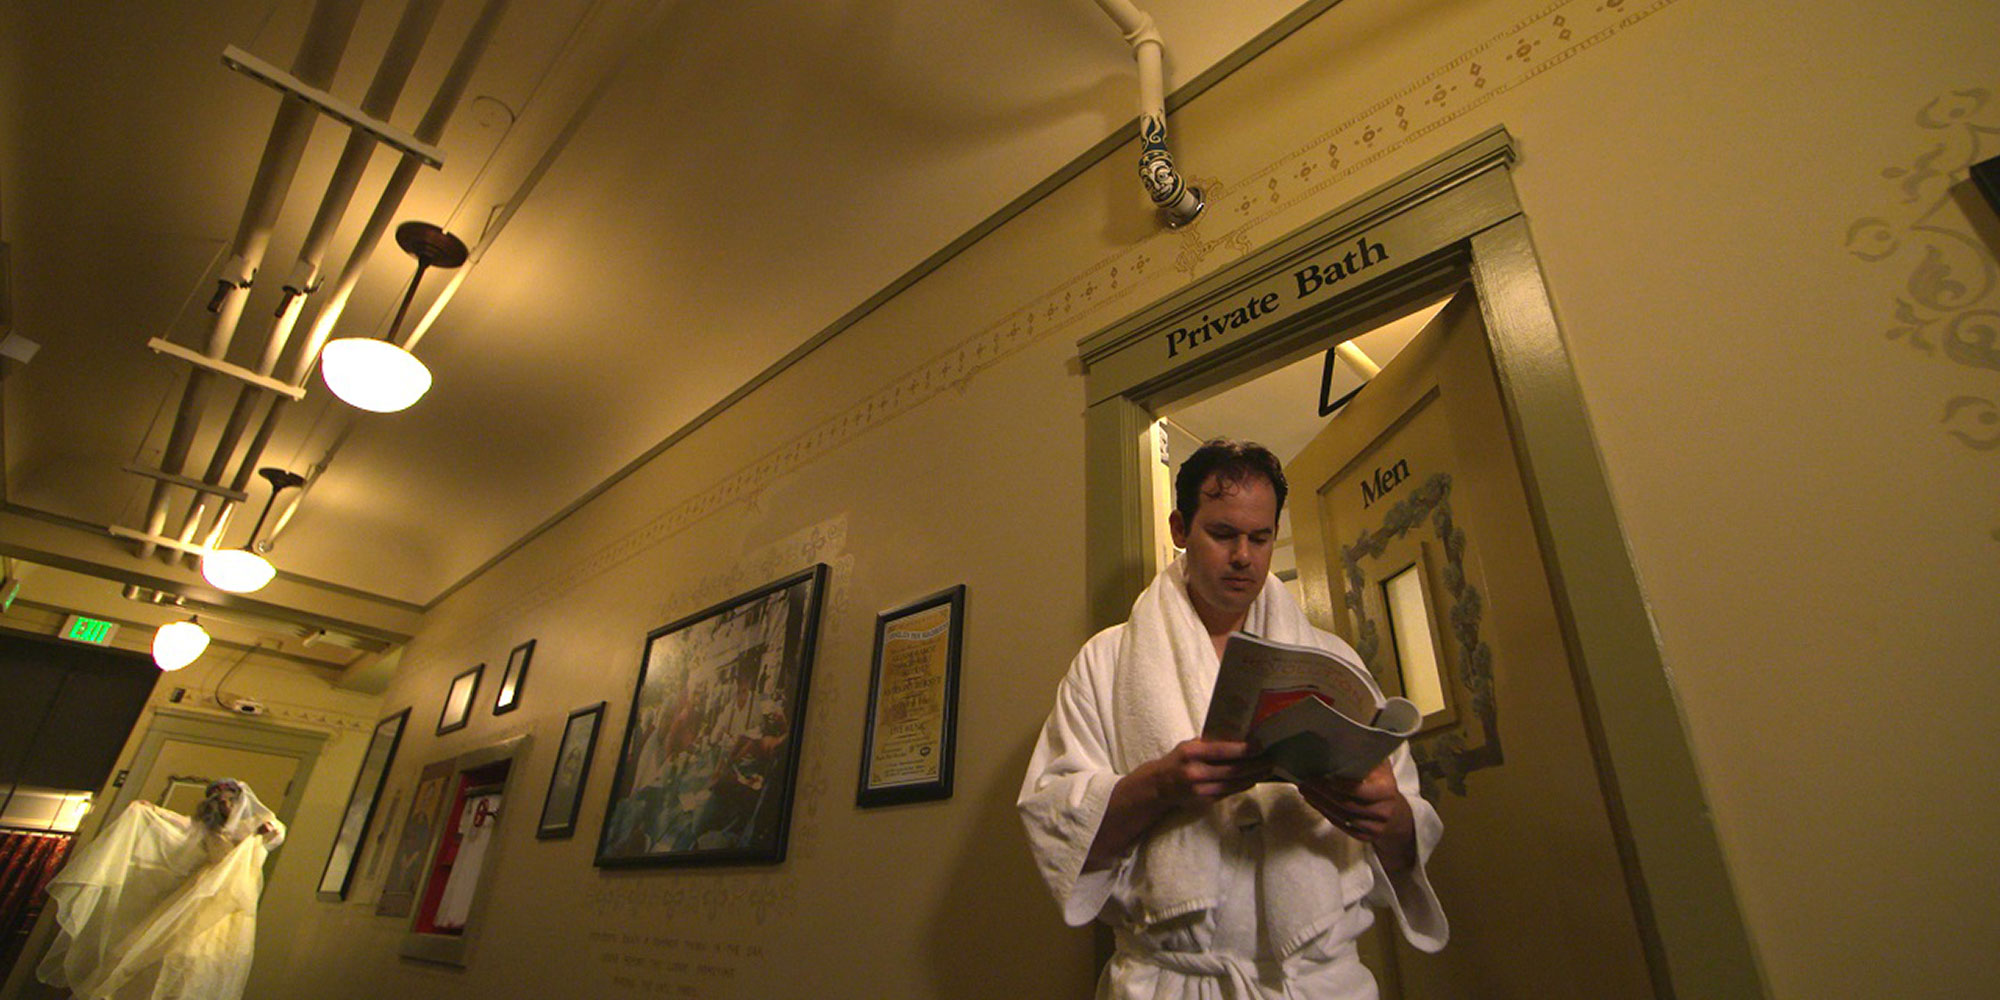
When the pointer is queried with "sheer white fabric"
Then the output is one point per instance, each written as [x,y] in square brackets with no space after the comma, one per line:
[163,907]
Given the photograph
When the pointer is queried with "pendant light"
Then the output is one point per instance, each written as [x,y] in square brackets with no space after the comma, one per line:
[178,644]
[243,571]
[377,375]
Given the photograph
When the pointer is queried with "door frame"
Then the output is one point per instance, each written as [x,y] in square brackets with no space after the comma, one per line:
[1451,221]
[224,731]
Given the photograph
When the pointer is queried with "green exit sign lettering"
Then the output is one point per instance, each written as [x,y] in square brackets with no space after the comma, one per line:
[91,630]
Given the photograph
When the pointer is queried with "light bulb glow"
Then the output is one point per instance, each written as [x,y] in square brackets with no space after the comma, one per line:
[373,375]
[238,571]
[177,644]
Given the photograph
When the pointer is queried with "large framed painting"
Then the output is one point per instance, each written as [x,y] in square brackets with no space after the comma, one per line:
[906,747]
[361,802]
[711,749]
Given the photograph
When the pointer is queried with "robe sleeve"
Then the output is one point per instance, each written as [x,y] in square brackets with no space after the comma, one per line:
[1408,894]
[1068,785]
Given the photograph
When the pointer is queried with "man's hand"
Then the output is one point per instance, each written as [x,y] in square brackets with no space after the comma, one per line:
[1200,771]
[1194,773]
[1372,811]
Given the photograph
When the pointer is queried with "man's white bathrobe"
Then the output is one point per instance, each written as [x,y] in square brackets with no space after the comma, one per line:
[1257,896]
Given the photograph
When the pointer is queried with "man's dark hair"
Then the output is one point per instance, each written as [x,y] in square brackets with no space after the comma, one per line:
[1232,463]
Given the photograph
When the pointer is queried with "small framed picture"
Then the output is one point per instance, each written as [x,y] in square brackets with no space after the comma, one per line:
[573,756]
[514,678]
[906,751]
[458,701]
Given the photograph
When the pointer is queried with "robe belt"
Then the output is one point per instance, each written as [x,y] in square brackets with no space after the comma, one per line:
[1240,978]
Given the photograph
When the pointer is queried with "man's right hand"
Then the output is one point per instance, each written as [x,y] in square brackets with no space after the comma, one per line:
[1200,771]
[1193,773]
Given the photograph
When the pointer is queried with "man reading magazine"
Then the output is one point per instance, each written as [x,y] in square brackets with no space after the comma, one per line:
[1203,872]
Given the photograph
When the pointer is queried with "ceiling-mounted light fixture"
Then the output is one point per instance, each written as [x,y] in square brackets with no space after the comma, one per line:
[377,375]
[242,571]
[177,644]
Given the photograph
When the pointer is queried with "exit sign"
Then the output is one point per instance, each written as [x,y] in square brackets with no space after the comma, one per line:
[92,630]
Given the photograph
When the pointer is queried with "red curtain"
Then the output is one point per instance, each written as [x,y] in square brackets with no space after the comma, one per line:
[27,861]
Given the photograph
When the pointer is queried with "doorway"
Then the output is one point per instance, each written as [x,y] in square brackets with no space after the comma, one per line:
[1409,535]
[1453,224]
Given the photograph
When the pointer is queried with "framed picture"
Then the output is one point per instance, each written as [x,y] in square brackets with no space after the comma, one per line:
[579,745]
[906,750]
[711,747]
[514,679]
[413,845]
[458,701]
[361,802]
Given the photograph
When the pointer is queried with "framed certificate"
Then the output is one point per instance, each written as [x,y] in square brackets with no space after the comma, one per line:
[906,752]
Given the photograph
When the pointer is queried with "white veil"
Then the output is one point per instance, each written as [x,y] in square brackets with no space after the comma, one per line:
[158,898]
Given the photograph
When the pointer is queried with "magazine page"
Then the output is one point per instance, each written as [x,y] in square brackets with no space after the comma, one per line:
[1253,668]
[1312,713]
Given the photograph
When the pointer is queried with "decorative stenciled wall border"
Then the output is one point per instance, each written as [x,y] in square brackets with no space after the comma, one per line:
[1307,175]
[1948,309]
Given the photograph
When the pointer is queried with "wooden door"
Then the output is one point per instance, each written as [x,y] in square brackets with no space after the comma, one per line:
[180,775]
[1413,531]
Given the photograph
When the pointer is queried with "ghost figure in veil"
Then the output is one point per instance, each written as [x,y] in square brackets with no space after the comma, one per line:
[162,906]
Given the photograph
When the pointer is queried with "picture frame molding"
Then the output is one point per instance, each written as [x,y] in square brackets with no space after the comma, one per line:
[445,722]
[544,830]
[518,661]
[817,576]
[941,787]
[368,819]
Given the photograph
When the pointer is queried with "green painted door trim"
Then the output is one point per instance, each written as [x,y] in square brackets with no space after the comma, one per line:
[1451,221]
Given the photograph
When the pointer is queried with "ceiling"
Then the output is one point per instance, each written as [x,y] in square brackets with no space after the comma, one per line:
[662,200]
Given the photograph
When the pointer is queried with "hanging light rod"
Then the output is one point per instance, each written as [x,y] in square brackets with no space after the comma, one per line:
[244,571]
[377,375]
[285,83]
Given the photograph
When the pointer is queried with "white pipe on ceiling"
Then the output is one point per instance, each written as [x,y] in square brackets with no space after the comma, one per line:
[326,38]
[1170,192]
[443,104]
[428,130]
[390,76]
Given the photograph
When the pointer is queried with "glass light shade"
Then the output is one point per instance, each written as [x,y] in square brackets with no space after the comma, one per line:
[373,375]
[178,644]
[238,571]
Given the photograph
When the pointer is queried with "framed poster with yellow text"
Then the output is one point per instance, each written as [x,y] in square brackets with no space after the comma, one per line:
[906,752]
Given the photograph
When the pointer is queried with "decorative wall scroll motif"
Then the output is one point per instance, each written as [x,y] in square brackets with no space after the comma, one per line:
[1447,756]
[1949,305]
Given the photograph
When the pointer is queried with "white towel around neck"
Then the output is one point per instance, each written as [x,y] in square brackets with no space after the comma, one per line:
[1166,672]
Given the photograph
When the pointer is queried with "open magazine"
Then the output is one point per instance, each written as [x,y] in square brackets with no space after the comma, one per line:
[1312,714]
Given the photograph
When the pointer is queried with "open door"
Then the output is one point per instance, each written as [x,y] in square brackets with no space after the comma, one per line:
[1416,544]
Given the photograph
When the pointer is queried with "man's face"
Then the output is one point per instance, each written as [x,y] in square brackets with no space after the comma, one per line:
[1228,546]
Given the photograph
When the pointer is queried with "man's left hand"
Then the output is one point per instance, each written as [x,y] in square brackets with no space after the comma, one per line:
[1371,810]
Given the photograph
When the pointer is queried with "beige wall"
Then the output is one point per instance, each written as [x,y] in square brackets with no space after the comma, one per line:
[1805,498]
